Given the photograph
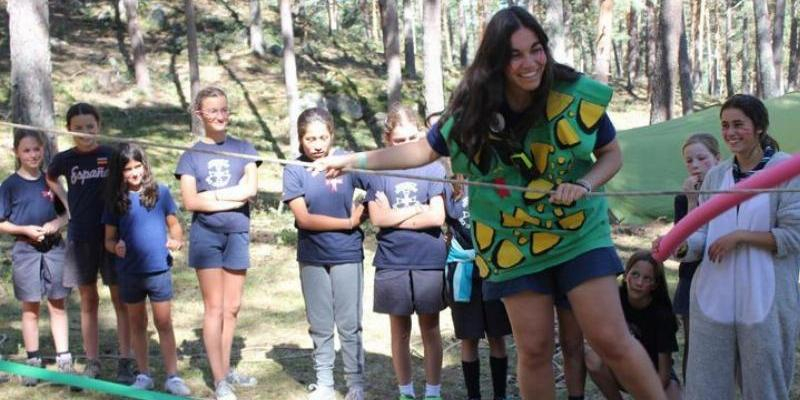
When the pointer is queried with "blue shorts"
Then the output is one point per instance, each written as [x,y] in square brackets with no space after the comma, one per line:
[559,279]
[135,288]
[408,291]
[209,249]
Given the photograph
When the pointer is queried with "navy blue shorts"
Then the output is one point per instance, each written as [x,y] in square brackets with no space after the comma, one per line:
[477,318]
[560,279]
[680,301]
[408,291]
[209,249]
[135,288]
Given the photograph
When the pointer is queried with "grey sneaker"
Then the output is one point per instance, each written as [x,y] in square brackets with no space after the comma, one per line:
[355,393]
[237,379]
[32,362]
[126,371]
[321,392]
[175,385]
[92,369]
[143,382]
[224,391]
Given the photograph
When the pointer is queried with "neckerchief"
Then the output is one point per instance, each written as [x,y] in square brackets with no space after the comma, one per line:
[738,174]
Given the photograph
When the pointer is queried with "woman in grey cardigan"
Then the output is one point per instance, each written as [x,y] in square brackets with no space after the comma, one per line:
[745,304]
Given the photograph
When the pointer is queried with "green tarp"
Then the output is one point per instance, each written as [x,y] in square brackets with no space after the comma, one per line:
[653,160]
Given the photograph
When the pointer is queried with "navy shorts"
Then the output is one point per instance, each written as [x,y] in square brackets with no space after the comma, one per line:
[84,259]
[406,291]
[560,279]
[37,274]
[680,301]
[135,288]
[209,249]
[478,318]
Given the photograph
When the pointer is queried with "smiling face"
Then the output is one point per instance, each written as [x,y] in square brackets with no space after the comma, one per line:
[214,114]
[698,159]
[739,132]
[84,123]
[525,68]
[640,280]
[316,140]
[133,173]
[30,153]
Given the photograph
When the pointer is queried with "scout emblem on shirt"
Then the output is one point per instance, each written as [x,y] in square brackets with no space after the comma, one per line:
[333,183]
[219,173]
[405,195]
[48,194]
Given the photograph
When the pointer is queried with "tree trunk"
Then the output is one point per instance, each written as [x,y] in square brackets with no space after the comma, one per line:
[447,32]
[698,32]
[719,47]
[137,45]
[463,50]
[481,11]
[747,84]
[432,54]
[651,29]
[31,84]
[766,64]
[632,55]
[603,41]
[666,69]
[794,51]
[777,43]
[685,71]
[409,35]
[333,17]
[256,36]
[569,40]
[290,73]
[729,90]
[194,69]
[554,26]
[391,50]
[376,19]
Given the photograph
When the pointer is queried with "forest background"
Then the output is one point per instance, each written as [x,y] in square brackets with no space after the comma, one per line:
[141,61]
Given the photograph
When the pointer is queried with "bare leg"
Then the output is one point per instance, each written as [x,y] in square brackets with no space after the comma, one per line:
[401,347]
[602,376]
[469,350]
[90,301]
[123,325]
[166,336]
[497,347]
[30,325]
[58,324]
[137,316]
[531,316]
[432,342]
[211,286]
[233,282]
[597,307]
[571,339]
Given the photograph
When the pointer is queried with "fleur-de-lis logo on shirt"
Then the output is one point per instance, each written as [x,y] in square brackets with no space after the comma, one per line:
[333,184]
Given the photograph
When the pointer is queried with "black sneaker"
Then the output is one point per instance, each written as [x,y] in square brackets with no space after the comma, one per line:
[126,371]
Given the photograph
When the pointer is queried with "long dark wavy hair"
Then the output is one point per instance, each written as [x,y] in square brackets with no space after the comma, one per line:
[117,189]
[660,292]
[754,109]
[481,92]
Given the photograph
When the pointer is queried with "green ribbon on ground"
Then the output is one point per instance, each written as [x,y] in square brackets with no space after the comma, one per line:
[95,385]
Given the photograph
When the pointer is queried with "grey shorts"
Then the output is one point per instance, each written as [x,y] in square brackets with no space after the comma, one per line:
[84,259]
[408,291]
[36,274]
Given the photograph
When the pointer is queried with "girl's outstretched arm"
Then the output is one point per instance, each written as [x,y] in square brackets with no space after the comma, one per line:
[404,156]
[244,191]
[192,201]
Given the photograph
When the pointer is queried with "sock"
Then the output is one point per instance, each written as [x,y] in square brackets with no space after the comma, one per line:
[34,354]
[407,389]
[433,390]
[575,397]
[64,354]
[472,378]
[499,367]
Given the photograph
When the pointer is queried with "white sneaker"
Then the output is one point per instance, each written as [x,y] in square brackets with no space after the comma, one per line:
[176,386]
[355,393]
[321,392]
[144,382]
[224,391]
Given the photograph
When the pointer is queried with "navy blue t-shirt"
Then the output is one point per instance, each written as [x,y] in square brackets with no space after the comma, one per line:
[457,218]
[331,197]
[212,171]
[605,132]
[28,202]
[144,232]
[86,176]
[405,248]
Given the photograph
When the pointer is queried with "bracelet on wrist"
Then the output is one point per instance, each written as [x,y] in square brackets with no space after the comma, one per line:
[584,184]
[361,160]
